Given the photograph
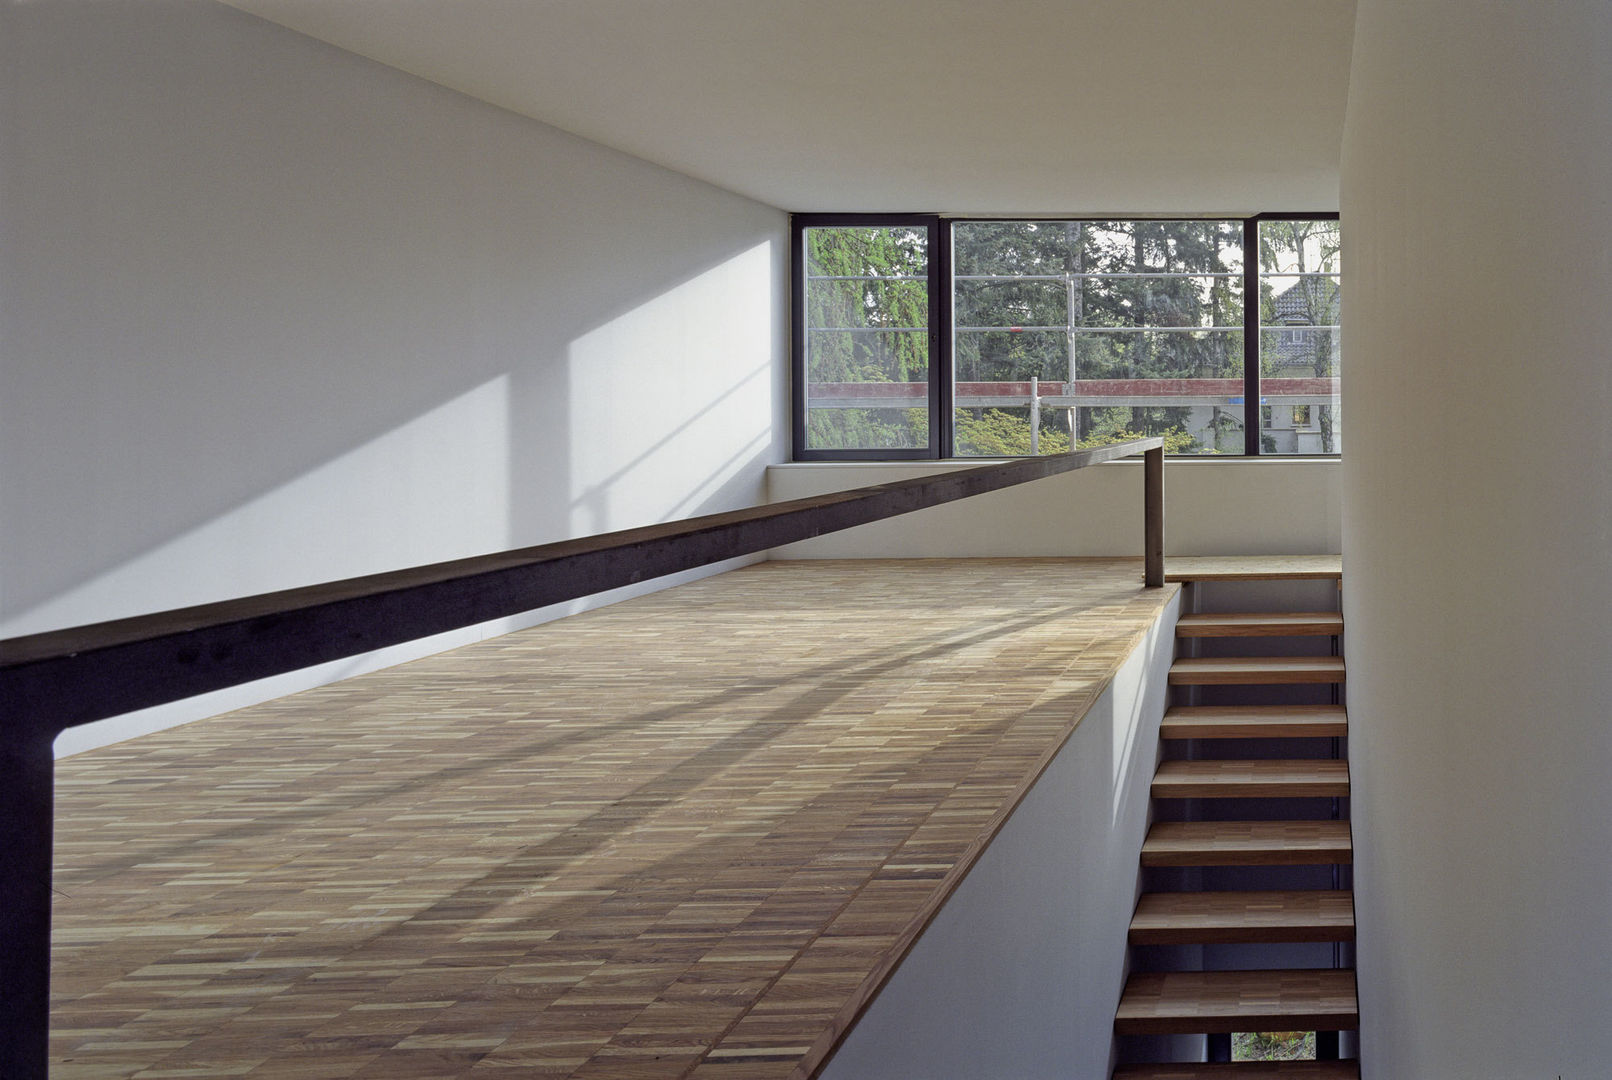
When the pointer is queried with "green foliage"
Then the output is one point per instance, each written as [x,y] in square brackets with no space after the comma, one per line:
[1176,441]
[1143,298]
[1004,433]
[861,330]
[1273,1046]
[867,429]
[997,339]
[998,433]
[1104,427]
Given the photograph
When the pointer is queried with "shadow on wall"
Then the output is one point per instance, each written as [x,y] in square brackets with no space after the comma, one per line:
[290,316]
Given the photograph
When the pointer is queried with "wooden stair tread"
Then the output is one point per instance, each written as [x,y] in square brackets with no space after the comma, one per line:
[1232,1070]
[1252,567]
[1192,1002]
[1260,624]
[1227,670]
[1246,843]
[1254,722]
[1189,918]
[1251,779]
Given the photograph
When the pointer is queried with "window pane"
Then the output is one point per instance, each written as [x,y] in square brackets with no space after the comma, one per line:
[1161,354]
[879,251]
[1213,426]
[1300,345]
[870,302]
[1139,247]
[1298,350]
[867,339]
[1011,355]
[1129,327]
[1299,247]
[869,355]
[867,429]
[1006,432]
[1003,301]
[1176,299]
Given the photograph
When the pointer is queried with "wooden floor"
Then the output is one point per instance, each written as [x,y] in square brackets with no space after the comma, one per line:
[684,836]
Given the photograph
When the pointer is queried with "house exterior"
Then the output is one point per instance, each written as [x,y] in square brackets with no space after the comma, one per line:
[271,313]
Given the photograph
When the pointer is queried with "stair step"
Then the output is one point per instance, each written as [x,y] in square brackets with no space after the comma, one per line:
[1233,1070]
[1254,722]
[1228,670]
[1252,567]
[1218,918]
[1261,624]
[1251,779]
[1247,843]
[1194,1002]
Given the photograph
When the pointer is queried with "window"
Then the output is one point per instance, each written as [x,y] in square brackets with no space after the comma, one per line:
[1298,293]
[922,337]
[864,356]
[1126,328]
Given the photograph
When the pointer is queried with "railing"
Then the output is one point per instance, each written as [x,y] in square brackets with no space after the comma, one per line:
[53,681]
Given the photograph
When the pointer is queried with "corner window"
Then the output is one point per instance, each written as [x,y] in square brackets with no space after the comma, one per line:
[922,337]
[1299,345]
[864,312]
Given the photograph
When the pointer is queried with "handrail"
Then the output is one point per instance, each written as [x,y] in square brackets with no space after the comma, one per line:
[62,678]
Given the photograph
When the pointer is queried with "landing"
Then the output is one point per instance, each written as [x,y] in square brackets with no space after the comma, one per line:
[687,835]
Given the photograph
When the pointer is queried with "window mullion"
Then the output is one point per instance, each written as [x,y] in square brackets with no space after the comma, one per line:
[1252,414]
[940,338]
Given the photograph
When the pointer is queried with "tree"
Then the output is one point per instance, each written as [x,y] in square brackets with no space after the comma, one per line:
[1053,301]
[1062,300]
[865,290]
[1302,248]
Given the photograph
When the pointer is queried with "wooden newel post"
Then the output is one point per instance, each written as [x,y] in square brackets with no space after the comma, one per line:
[1153,517]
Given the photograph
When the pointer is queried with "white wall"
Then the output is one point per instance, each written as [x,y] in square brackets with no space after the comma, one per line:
[1478,534]
[1020,972]
[1250,507]
[275,314]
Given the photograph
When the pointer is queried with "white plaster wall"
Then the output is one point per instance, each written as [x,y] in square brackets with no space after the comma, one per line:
[274,314]
[1020,972]
[1246,507]
[1477,206]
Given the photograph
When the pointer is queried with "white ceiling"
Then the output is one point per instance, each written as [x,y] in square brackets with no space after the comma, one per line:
[1007,106]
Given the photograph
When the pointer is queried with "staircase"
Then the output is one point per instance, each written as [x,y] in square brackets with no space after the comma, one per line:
[1247,923]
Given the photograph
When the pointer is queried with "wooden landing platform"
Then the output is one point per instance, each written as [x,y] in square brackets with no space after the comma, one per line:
[685,836]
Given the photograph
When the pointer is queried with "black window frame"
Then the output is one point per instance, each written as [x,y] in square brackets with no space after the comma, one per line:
[941,381]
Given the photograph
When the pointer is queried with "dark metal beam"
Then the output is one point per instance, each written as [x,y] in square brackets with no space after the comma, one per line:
[26,830]
[1153,518]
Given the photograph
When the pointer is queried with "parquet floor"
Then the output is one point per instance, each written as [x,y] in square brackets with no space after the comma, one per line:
[683,836]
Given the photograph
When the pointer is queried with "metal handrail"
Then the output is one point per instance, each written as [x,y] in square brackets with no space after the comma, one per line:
[62,678]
